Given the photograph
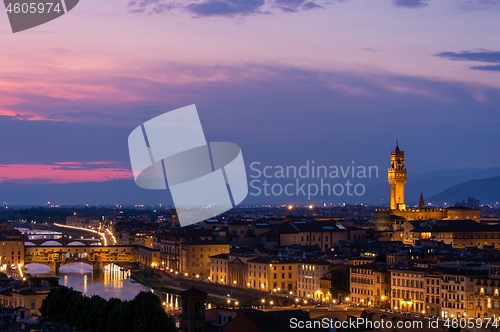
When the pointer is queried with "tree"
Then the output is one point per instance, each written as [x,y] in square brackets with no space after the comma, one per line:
[340,283]
[144,313]
[150,315]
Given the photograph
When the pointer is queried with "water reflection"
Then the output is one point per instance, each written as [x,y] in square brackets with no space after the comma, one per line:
[113,282]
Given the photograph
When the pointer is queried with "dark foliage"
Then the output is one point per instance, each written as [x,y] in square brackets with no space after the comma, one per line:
[340,283]
[143,314]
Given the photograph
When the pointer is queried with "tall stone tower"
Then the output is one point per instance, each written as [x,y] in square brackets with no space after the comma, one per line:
[397,179]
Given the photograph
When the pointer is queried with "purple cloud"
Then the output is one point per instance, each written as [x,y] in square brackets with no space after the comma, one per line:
[311,5]
[410,3]
[226,7]
[481,56]
[487,68]
[491,57]
[290,6]
[223,8]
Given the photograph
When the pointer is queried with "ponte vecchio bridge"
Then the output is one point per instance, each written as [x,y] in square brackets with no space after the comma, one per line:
[59,252]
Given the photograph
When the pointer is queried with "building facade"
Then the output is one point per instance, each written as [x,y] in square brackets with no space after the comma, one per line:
[195,256]
[370,285]
[408,289]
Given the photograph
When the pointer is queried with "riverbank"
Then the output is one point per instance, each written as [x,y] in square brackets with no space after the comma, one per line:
[147,278]
[152,279]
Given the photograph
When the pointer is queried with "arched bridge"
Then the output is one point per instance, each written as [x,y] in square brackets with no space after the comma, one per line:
[97,256]
[61,242]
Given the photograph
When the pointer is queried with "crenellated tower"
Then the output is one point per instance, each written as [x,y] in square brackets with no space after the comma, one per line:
[397,179]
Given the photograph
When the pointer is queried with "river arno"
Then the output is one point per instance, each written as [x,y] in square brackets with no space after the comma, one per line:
[113,282]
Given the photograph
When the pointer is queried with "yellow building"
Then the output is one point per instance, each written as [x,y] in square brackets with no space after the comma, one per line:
[277,274]
[220,267]
[12,252]
[145,240]
[12,247]
[487,297]
[29,294]
[433,293]
[457,292]
[408,289]
[195,256]
[463,213]
[230,269]
[310,272]
[371,285]
[325,286]
[170,245]
[148,257]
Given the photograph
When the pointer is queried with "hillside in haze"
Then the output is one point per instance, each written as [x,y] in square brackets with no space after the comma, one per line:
[487,191]
[123,192]
[437,186]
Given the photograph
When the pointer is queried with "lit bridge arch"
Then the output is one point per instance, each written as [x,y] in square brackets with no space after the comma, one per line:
[95,255]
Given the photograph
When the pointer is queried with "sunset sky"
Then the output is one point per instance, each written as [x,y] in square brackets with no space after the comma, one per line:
[287,80]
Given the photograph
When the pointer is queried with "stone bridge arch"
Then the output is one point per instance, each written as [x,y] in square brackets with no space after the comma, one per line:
[95,255]
[55,265]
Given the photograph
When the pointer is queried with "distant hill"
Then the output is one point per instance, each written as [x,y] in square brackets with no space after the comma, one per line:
[123,192]
[487,191]
[430,183]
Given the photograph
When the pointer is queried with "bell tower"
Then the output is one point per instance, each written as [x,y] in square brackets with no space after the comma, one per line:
[397,179]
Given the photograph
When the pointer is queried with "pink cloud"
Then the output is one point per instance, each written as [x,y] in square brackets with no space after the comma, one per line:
[63,172]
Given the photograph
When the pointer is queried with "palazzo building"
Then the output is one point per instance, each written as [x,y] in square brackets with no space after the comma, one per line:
[392,219]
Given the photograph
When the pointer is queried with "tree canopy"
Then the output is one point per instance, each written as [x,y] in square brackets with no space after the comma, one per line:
[144,313]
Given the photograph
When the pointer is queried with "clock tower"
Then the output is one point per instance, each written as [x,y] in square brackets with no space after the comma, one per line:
[397,179]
